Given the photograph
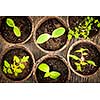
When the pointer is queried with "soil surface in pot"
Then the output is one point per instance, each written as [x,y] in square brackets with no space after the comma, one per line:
[20,53]
[48,27]
[55,64]
[24,25]
[76,20]
[93,54]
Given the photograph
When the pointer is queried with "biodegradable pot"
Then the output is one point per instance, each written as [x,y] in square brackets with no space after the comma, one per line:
[19,51]
[25,25]
[47,25]
[56,63]
[74,21]
[93,54]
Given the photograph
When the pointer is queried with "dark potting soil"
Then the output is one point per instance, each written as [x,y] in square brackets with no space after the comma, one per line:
[93,54]
[48,27]
[55,65]
[76,20]
[20,53]
[24,25]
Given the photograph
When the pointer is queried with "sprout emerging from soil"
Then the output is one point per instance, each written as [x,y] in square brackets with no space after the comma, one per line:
[83,29]
[81,62]
[17,67]
[16,30]
[55,34]
[45,68]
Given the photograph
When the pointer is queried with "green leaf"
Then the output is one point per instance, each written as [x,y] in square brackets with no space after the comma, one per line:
[71,32]
[18,71]
[22,66]
[58,32]
[54,74]
[76,29]
[6,64]
[25,59]
[69,37]
[78,66]
[43,38]
[74,57]
[9,71]
[98,25]
[96,21]
[81,50]
[83,63]
[10,22]
[85,54]
[16,74]
[89,27]
[91,62]
[47,74]
[4,69]
[16,59]
[44,67]
[76,35]
[17,31]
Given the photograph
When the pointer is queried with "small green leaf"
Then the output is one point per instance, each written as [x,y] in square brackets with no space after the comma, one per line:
[81,50]
[4,69]
[98,25]
[83,63]
[16,74]
[91,62]
[78,66]
[22,66]
[76,35]
[25,59]
[96,21]
[76,29]
[47,74]
[18,71]
[44,67]
[71,32]
[17,31]
[84,54]
[16,59]
[9,71]
[74,57]
[10,22]
[89,27]
[58,32]
[69,37]
[54,74]
[6,64]
[43,38]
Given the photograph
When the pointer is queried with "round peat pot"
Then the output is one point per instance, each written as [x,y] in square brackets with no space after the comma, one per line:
[56,63]
[84,58]
[23,23]
[25,57]
[48,25]
[75,21]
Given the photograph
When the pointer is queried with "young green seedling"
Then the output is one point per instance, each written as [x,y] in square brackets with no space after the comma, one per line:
[45,68]
[11,24]
[81,62]
[17,67]
[83,29]
[55,34]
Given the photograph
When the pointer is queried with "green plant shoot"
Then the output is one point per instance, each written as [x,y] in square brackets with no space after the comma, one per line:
[17,67]
[16,30]
[55,34]
[45,68]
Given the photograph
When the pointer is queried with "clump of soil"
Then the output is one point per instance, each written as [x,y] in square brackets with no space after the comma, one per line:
[24,25]
[20,53]
[93,54]
[55,64]
[74,21]
[48,27]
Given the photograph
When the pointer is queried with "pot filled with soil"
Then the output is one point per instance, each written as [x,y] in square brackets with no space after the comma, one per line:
[50,34]
[83,26]
[84,58]
[51,69]
[16,29]
[17,63]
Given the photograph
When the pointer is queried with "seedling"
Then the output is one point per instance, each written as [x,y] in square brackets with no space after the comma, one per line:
[81,62]
[17,67]
[45,68]
[83,29]
[55,34]
[16,29]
